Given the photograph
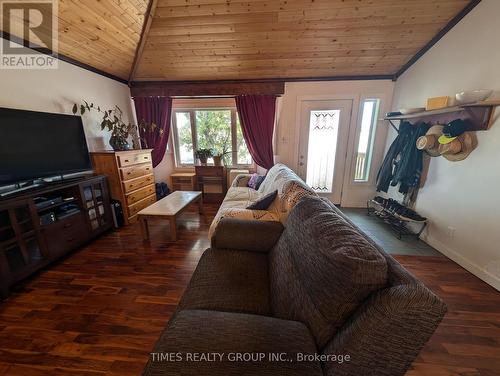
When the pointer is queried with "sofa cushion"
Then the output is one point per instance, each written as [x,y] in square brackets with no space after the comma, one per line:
[322,269]
[255,181]
[229,280]
[275,178]
[209,332]
[242,194]
[264,202]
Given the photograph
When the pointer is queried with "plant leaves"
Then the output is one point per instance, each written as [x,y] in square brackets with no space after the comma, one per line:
[75,109]
[82,109]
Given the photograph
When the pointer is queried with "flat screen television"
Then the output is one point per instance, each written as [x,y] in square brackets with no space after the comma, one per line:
[39,144]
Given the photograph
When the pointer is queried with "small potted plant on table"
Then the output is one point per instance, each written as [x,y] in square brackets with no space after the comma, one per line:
[203,155]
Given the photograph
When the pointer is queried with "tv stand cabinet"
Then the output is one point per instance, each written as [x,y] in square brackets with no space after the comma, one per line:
[32,237]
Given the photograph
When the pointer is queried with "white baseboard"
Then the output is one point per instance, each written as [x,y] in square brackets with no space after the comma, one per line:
[479,272]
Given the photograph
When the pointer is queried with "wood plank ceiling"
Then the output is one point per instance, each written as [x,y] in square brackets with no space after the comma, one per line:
[252,39]
[249,39]
[103,34]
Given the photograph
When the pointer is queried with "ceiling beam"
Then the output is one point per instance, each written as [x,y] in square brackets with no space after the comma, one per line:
[205,88]
[148,20]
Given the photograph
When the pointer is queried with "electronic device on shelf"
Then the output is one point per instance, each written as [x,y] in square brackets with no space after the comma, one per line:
[66,214]
[44,202]
[67,210]
[47,218]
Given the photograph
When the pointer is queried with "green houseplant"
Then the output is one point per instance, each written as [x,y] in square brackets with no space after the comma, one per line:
[203,155]
[219,156]
[112,120]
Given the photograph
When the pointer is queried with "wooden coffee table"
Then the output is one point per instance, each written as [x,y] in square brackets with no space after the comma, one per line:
[169,208]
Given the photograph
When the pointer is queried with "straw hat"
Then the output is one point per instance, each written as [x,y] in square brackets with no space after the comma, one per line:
[429,142]
[459,148]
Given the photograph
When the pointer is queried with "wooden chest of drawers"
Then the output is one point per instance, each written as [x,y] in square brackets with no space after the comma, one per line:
[130,176]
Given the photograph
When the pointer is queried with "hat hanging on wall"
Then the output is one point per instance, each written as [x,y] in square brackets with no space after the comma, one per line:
[452,130]
[459,148]
[429,142]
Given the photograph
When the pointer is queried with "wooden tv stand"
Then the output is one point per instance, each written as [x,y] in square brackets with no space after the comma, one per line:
[27,244]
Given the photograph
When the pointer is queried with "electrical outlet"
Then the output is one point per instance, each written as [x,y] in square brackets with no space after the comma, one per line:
[450,232]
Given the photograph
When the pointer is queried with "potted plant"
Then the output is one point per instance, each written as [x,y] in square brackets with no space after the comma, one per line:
[203,155]
[220,156]
[112,120]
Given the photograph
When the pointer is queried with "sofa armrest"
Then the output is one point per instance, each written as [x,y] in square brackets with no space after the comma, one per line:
[246,235]
[387,332]
[241,180]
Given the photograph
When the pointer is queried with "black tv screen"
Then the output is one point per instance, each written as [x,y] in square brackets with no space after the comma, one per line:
[39,144]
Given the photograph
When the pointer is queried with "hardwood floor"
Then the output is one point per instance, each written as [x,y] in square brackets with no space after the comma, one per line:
[100,311]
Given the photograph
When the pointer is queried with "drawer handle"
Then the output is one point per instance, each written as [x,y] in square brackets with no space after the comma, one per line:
[68,225]
[146,157]
[128,173]
[125,160]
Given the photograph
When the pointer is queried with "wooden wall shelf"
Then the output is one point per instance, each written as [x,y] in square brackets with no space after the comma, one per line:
[479,114]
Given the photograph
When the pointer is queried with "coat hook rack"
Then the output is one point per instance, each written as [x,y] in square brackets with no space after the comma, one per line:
[480,115]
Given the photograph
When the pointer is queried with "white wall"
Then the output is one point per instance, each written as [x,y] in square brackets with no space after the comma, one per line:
[57,90]
[462,195]
[288,131]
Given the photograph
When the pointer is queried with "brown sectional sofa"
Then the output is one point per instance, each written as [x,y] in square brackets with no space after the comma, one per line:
[318,287]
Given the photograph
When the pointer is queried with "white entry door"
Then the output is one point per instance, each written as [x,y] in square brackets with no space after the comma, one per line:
[324,134]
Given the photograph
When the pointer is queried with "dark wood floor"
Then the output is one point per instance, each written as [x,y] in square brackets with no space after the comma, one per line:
[99,311]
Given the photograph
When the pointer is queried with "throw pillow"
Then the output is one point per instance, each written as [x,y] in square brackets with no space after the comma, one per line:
[255,181]
[264,202]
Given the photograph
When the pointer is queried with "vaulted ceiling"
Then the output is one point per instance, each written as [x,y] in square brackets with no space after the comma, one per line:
[249,39]
[101,33]
[238,39]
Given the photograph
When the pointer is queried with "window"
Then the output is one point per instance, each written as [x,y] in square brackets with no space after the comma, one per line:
[184,135]
[366,138]
[217,129]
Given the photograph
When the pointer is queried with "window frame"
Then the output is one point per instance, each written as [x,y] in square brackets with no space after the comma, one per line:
[371,139]
[194,135]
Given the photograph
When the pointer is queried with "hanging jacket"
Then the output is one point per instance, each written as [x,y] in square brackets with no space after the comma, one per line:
[403,162]
[409,169]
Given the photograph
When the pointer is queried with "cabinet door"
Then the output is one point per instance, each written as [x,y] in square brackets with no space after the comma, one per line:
[21,245]
[96,205]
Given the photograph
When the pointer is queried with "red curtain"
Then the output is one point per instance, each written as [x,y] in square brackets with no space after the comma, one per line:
[157,110]
[257,114]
